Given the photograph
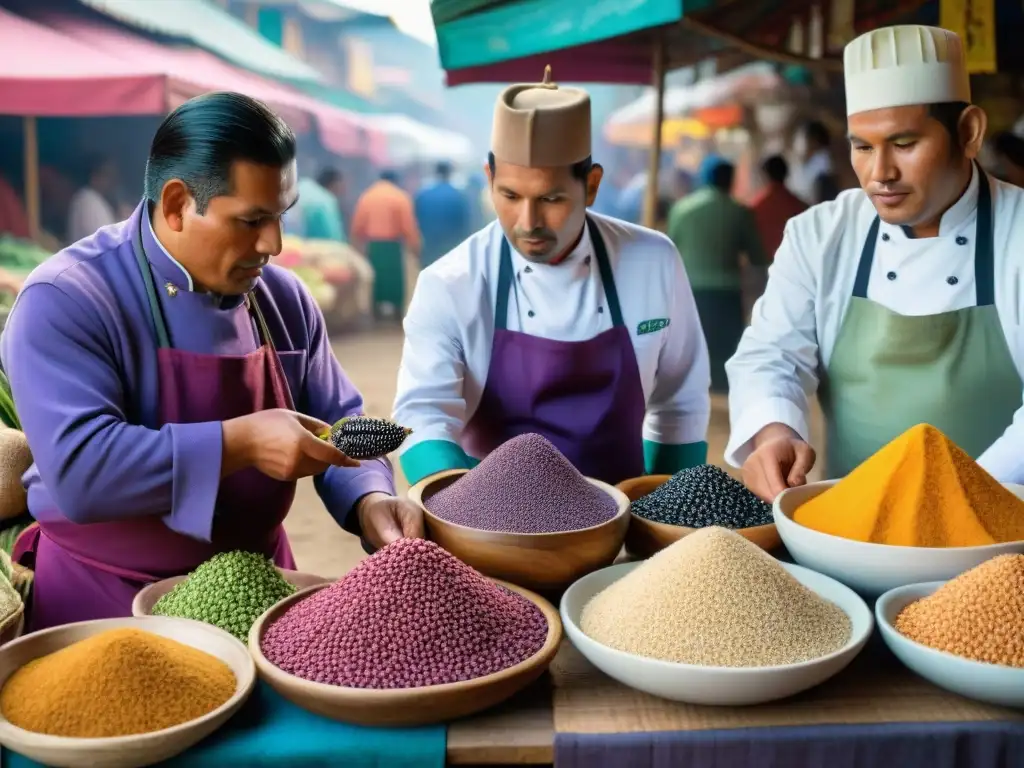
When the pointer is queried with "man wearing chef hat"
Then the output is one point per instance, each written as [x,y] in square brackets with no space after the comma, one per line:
[901,302]
[553,320]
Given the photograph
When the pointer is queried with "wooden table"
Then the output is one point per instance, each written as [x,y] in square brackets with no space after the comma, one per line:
[520,732]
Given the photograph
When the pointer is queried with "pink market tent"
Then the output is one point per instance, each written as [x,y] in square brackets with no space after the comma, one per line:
[45,73]
[197,71]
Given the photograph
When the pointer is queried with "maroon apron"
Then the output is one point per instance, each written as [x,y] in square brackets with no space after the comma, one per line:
[94,571]
[586,397]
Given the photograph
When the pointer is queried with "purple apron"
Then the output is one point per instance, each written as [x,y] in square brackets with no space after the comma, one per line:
[94,571]
[586,397]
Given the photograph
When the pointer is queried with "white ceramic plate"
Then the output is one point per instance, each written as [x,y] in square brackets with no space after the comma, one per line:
[990,683]
[728,686]
[871,569]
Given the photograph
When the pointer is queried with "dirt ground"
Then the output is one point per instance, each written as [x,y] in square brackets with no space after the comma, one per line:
[371,361]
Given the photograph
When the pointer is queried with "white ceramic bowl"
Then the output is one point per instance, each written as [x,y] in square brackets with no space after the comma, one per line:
[871,569]
[125,751]
[990,683]
[728,686]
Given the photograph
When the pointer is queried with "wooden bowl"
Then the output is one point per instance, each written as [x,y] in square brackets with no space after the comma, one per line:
[646,537]
[125,751]
[546,562]
[148,596]
[405,706]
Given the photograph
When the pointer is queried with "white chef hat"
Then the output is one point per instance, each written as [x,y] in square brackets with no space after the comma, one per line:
[905,65]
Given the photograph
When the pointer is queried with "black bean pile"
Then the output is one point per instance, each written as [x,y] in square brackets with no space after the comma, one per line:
[703,496]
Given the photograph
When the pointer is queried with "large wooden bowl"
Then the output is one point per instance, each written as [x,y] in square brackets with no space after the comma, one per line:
[646,537]
[546,562]
[404,706]
[125,751]
[148,596]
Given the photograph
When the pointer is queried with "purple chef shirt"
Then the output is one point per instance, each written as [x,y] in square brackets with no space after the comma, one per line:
[80,351]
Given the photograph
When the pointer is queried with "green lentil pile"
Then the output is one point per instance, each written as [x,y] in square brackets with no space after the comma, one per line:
[230,590]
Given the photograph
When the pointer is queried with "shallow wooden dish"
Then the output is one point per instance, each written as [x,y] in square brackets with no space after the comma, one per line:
[546,562]
[408,706]
[125,751]
[646,537]
[148,596]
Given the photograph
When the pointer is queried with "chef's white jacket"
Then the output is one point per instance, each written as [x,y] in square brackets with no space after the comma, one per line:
[449,328]
[776,368]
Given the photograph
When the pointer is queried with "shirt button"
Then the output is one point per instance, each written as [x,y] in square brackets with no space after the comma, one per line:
[528,270]
[885,237]
[530,313]
[891,275]
[961,240]
[586,260]
[600,310]
[952,280]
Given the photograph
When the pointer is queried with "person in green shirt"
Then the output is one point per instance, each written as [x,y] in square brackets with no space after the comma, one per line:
[321,211]
[712,231]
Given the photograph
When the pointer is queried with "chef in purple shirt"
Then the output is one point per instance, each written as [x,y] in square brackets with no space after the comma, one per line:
[171,382]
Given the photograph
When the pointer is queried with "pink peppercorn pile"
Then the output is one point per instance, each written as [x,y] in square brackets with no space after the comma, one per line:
[411,615]
[525,485]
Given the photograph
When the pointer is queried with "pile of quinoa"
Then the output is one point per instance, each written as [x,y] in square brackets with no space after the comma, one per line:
[715,599]
[411,615]
[703,496]
[525,485]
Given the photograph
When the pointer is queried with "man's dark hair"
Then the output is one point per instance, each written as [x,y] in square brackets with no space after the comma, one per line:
[201,140]
[722,176]
[776,169]
[443,170]
[948,114]
[328,176]
[580,171]
[389,175]
[816,132]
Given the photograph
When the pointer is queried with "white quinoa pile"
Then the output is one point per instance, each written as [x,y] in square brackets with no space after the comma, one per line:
[715,599]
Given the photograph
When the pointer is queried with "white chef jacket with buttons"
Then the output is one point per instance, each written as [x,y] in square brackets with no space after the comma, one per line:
[449,328]
[777,365]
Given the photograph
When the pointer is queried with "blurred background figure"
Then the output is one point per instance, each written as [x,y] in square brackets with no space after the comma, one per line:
[1009,153]
[319,204]
[443,215]
[814,179]
[713,233]
[384,228]
[94,205]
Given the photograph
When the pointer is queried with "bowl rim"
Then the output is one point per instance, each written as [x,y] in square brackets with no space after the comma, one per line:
[243,688]
[922,590]
[150,588]
[385,695]
[849,646]
[416,496]
[779,512]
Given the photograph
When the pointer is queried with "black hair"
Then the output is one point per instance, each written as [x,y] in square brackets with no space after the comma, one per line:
[328,176]
[722,176]
[201,140]
[816,131]
[443,169]
[948,114]
[775,168]
[1010,146]
[580,171]
[389,175]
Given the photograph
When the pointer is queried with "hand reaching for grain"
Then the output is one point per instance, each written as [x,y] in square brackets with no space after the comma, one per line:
[781,460]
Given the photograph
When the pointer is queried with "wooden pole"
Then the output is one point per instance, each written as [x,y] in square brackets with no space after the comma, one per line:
[31,174]
[654,166]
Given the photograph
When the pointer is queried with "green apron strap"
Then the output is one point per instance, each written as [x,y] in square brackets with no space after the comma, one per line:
[156,313]
[504,287]
[261,323]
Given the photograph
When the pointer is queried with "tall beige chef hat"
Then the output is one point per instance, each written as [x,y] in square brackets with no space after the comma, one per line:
[905,65]
[540,125]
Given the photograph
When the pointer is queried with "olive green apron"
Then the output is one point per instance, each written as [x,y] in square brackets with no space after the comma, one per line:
[889,372]
[388,261]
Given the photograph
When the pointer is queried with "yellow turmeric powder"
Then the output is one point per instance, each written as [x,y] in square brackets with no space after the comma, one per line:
[116,683]
[920,490]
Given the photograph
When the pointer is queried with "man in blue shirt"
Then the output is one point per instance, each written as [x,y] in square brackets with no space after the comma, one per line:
[443,214]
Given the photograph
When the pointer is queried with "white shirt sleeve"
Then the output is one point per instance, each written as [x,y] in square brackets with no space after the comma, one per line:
[679,408]
[774,372]
[429,398]
[1004,459]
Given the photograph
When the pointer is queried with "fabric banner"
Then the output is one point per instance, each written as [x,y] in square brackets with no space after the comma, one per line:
[975,22]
